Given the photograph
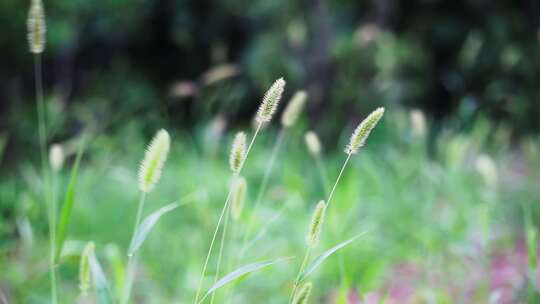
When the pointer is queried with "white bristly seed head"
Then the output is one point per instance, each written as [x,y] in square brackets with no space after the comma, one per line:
[36,27]
[84,268]
[313,143]
[293,109]
[270,101]
[154,159]
[238,198]
[56,157]
[238,152]
[302,295]
[315,226]
[361,133]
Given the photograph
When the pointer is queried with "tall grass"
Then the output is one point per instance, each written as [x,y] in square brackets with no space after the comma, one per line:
[288,119]
[382,176]
[149,174]
[36,38]
[154,160]
[264,115]
[358,139]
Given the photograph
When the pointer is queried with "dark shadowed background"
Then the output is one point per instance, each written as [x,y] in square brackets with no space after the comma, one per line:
[112,60]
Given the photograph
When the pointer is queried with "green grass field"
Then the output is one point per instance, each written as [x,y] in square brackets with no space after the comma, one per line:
[436,227]
[123,202]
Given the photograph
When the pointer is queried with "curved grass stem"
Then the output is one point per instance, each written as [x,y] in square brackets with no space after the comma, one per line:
[209,253]
[258,199]
[47,191]
[306,257]
[130,275]
[337,180]
[341,262]
[300,271]
[223,210]
[262,188]
[221,245]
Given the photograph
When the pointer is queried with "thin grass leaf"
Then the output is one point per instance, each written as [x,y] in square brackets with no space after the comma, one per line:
[319,260]
[103,292]
[147,225]
[241,272]
[67,206]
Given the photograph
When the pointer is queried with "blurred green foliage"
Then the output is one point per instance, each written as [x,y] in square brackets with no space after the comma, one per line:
[458,59]
[435,201]
[427,214]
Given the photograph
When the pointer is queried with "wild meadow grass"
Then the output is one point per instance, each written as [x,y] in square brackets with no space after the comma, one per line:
[36,40]
[409,217]
[416,210]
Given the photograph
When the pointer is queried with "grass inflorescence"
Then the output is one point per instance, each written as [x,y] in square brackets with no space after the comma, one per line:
[391,186]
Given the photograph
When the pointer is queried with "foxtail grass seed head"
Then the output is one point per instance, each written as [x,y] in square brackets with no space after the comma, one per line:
[56,157]
[270,101]
[84,268]
[313,143]
[36,27]
[154,159]
[238,152]
[239,197]
[302,295]
[360,135]
[315,226]
[255,124]
[293,109]
[418,122]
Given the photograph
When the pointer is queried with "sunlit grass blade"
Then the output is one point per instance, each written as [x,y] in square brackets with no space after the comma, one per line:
[325,255]
[240,272]
[67,206]
[146,226]
[101,286]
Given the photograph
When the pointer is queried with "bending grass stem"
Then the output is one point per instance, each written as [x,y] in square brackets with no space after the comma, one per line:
[130,275]
[306,257]
[42,131]
[298,276]
[260,195]
[40,107]
[340,257]
[250,146]
[231,260]
[131,257]
[262,189]
[337,180]
[223,210]
[139,215]
[221,245]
